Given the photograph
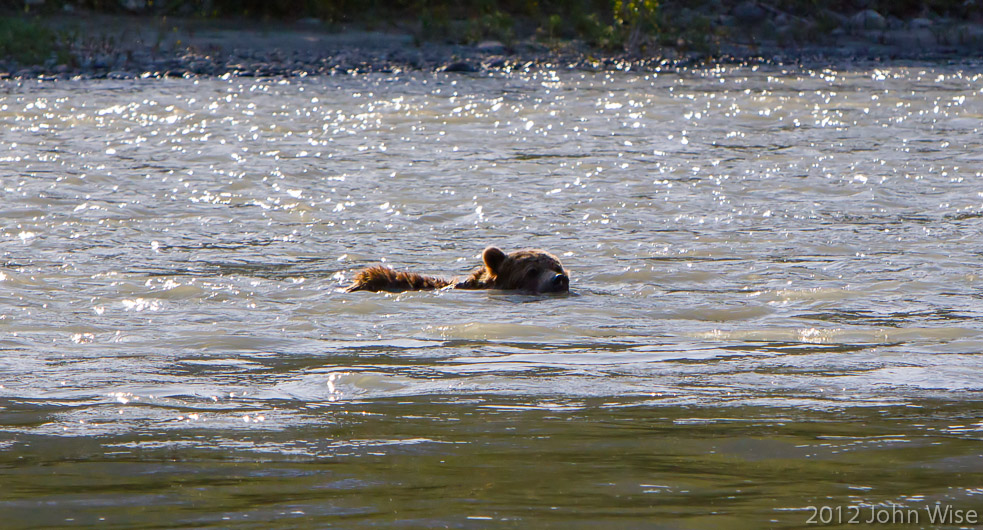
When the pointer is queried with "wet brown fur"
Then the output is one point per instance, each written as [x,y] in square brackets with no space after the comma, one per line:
[382,278]
[529,270]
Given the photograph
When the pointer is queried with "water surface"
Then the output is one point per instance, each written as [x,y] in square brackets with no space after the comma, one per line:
[775,298]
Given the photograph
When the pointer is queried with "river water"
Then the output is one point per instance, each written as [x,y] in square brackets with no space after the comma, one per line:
[775,308]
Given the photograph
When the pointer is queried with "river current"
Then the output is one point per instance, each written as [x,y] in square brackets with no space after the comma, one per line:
[775,302]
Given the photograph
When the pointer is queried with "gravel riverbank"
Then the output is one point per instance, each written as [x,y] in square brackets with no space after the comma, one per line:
[142,46]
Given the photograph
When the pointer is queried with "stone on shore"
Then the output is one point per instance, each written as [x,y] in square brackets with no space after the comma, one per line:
[911,39]
[970,35]
[460,66]
[920,23]
[491,47]
[868,19]
[749,13]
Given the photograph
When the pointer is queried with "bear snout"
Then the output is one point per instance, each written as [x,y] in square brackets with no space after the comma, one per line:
[560,282]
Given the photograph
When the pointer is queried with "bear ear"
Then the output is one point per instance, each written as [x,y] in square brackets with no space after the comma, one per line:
[493,258]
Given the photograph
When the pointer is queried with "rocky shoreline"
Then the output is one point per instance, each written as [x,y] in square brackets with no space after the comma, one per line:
[127,47]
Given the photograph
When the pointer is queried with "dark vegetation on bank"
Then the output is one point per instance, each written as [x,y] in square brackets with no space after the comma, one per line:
[605,28]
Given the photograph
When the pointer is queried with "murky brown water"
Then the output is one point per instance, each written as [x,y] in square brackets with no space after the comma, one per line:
[776,299]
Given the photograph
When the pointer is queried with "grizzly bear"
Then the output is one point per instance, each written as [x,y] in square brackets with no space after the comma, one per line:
[528,270]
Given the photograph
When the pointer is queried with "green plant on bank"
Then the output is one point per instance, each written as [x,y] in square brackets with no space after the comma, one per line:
[637,19]
[626,25]
[694,32]
[553,24]
[435,24]
[598,34]
[28,42]
[496,25]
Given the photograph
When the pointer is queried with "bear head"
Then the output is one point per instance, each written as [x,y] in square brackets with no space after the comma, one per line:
[529,270]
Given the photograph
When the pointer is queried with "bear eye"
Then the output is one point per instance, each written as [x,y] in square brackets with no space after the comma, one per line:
[533,272]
